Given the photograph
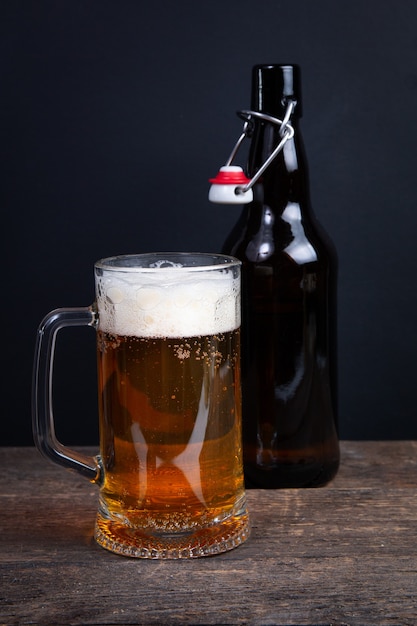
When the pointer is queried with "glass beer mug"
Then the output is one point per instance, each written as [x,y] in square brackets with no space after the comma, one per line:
[170,463]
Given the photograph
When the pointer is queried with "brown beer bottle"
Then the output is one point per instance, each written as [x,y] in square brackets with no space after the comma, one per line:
[289,378]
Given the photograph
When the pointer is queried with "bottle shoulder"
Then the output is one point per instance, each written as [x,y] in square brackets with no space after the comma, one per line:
[263,235]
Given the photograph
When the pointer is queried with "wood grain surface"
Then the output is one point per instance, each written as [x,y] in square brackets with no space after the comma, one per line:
[345,554]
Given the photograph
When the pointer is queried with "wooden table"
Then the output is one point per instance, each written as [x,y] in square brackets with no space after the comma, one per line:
[342,554]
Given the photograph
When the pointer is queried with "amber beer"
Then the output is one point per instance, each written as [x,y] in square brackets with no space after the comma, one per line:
[168,346]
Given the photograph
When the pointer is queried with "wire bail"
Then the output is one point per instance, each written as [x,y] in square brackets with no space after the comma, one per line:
[227,187]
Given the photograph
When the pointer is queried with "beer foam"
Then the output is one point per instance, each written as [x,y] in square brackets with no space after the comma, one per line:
[168,303]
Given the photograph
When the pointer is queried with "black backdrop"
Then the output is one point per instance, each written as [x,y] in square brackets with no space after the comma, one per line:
[114,113]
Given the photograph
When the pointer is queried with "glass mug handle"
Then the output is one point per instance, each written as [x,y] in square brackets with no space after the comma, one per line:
[42,410]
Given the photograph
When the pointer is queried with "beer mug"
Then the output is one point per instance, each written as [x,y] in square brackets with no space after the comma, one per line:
[169,469]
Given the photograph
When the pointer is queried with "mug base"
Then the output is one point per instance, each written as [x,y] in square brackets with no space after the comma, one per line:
[145,544]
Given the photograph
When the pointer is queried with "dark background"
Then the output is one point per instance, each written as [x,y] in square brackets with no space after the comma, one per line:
[114,113]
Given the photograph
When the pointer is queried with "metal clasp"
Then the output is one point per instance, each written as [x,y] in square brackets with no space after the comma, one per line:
[286,132]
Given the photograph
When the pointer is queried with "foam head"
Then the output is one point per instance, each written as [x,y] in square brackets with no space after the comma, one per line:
[169,299]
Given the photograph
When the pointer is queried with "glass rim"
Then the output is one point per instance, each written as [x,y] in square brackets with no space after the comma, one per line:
[131,262]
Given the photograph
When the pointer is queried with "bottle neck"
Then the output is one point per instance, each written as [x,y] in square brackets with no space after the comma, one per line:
[286,178]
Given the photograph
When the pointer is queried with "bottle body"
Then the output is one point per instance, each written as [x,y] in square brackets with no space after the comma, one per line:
[289,378]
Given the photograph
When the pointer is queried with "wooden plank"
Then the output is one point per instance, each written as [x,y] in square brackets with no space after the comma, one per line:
[377,464]
[344,554]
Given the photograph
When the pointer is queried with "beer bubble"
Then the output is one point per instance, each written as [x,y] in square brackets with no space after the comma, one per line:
[149,298]
[165,263]
[115,295]
[183,297]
